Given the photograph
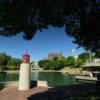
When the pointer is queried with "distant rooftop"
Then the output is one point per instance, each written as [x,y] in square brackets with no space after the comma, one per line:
[51,56]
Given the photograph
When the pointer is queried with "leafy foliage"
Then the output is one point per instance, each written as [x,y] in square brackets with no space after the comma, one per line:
[14,63]
[54,64]
[84,56]
[97,54]
[45,64]
[79,62]
[57,64]
[7,62]
[81,19]
[70,61]
[4,58]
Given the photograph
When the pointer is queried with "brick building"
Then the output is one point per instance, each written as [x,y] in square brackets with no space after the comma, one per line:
[51,56]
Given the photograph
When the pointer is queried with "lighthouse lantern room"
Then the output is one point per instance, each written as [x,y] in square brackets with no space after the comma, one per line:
[26,58]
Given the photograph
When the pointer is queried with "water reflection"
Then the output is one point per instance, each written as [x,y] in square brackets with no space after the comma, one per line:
[2,78]
[53,78]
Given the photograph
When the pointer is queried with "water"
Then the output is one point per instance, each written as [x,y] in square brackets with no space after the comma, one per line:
[53,78]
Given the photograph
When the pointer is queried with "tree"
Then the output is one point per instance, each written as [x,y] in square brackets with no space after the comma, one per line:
[54,64]
[81,18]
[70,61]
[85,27]
[79,62]
[45,64]
[41,63]
[4,58]
[13,63]
[7,62]
[57,64]
[84,56]
[97,54]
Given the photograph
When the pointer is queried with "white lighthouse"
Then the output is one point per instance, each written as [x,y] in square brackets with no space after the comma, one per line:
[25,72]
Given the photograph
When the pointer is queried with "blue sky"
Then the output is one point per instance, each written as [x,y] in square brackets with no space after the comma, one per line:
[50,40]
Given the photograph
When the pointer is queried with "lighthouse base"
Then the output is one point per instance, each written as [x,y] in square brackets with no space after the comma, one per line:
[24,77]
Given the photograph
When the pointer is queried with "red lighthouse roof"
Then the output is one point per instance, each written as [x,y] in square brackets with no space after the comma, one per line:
[26,58]
[26,54]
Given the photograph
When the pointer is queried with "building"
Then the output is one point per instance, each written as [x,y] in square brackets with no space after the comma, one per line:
[51,56]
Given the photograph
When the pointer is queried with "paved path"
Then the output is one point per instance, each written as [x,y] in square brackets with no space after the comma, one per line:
[56,93]
[14,94]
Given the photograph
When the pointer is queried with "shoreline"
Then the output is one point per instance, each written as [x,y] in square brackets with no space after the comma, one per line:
[17,71]
[12,71]
[67,70]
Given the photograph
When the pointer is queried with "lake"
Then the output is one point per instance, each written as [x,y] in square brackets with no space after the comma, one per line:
[53,78]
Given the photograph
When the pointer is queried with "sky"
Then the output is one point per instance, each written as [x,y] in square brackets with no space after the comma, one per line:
[52,40]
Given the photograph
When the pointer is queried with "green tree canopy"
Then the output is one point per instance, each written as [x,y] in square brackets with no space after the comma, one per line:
[14,62]
[79,62]
[7,62]
[54,64]
[81,19]
[70,61]
[57,63]
[97,54]
[44,64]
[84,56]
[4,58]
